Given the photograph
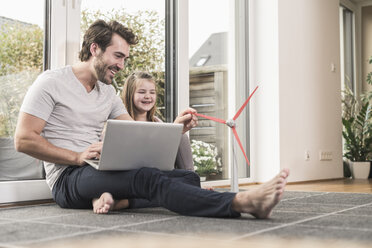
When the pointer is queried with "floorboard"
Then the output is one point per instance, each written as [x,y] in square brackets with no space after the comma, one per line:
[346,185]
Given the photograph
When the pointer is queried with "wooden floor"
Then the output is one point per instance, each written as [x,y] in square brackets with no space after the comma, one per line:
[340,185]
[336,185]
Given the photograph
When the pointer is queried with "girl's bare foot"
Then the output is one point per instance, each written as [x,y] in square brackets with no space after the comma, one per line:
[103,204]
[260,201]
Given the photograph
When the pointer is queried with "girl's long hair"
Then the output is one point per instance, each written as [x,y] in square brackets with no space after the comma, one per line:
[130,87]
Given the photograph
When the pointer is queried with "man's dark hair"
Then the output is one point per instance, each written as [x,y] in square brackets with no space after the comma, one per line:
[101,33]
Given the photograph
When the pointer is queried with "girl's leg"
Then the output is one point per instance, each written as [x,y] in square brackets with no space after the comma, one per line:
[184,155]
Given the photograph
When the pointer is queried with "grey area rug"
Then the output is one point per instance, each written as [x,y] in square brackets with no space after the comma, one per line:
[299,215]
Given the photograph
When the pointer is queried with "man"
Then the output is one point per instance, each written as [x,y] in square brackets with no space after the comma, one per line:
[62,117]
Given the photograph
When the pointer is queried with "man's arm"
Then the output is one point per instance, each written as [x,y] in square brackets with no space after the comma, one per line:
[28,140]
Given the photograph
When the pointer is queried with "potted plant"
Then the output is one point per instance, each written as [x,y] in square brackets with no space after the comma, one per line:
[357,133]
[206,159]
[369,75]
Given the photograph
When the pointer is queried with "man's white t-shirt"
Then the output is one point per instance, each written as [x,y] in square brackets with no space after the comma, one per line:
[74,118]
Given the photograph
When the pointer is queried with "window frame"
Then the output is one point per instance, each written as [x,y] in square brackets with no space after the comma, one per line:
[171,60]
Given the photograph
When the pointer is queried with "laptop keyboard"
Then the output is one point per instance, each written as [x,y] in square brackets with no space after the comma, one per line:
[92,161]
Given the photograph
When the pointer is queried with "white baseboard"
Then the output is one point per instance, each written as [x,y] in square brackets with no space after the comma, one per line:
[25,190]
[225,182]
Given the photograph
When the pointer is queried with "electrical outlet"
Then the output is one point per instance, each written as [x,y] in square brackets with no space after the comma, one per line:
[325,155]
[307,156]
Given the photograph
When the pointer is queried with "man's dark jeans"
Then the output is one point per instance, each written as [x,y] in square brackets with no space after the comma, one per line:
[177,190]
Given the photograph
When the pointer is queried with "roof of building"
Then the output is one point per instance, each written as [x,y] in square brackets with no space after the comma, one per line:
[6,20]
[212,52]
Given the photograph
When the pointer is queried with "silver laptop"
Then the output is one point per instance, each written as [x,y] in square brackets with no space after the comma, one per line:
[129,145]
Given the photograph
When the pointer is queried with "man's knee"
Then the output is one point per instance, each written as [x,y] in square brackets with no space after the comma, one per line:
[186,176]
[194,178]
[191,175]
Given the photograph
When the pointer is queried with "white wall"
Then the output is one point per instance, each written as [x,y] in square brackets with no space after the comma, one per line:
[298,108]
[264,71]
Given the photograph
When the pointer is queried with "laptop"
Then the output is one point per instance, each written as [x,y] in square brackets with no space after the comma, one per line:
[129,145]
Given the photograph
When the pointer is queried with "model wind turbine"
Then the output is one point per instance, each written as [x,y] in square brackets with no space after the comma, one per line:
[232,124]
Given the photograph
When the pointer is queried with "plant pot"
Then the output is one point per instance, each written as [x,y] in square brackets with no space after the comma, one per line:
[214,177]
[203,179]
[360,170]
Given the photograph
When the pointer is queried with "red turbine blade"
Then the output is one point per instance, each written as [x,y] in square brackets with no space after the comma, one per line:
[240,144]
[245,103]
[210,118]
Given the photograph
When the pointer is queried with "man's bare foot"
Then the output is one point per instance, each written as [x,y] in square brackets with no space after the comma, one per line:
[260,201]
[103,204]
[106,203]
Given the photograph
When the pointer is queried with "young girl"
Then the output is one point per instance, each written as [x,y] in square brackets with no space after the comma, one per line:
[139,97]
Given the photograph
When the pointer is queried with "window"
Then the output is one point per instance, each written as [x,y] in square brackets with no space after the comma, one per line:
[21,61]
[347,48]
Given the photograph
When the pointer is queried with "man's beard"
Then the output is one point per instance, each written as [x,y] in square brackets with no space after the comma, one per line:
[101,69]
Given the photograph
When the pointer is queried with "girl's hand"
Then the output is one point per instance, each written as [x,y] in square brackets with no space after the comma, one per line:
[187,118]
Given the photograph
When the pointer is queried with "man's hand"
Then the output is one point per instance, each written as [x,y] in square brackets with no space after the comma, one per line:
[187,118]
[92,152]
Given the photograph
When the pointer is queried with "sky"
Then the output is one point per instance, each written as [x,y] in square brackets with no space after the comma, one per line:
[202,23]
[205,20]
[30,11]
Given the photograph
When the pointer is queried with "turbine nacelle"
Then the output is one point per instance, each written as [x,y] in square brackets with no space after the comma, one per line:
[231,123]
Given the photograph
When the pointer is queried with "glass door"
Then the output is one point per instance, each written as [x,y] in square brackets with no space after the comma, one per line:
[21,61]
[218,84]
